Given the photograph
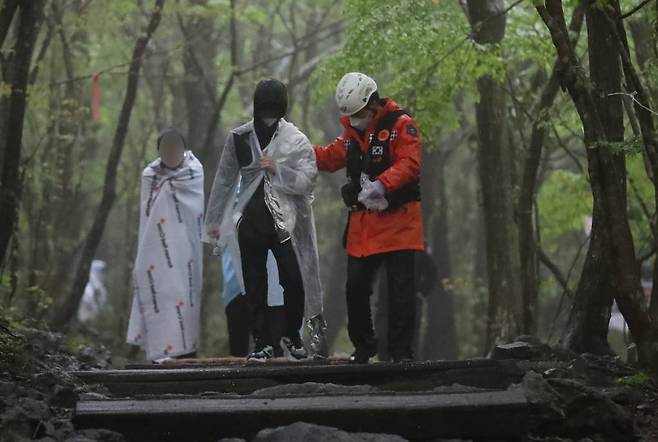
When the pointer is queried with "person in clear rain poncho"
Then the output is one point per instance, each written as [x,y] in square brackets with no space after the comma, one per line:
[274,164]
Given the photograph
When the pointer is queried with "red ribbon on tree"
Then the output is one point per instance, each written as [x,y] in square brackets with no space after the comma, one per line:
[96,98]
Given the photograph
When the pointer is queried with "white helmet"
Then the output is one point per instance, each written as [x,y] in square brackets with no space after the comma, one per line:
[353,92]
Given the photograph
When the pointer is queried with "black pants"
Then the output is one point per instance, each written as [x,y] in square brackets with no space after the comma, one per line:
[361,273]
[238,318]
[255,242]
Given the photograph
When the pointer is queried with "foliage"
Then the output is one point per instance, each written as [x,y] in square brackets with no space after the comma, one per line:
[635,380]
[428,41]
[420,53]
[564,202]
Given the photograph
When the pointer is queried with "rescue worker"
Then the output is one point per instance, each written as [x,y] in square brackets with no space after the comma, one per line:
[273,164]
[381,150]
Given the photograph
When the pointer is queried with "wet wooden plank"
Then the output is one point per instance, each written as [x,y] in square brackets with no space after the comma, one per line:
[417,376]
[229,362]
[499,414]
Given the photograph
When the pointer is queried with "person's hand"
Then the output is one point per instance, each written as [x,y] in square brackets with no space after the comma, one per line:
[268,164]
[213,231]
[372,190]
[377,204]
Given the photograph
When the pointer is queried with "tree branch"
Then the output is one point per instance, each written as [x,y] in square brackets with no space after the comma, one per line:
[66,306]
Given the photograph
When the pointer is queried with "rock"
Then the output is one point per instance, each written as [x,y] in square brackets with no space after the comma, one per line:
[301,431]
[44,380]
[530,349]
[527,347]
[530,339]
[545,402]
[7,388]
[556,373]
[589,412]
[96,436]
[34,409]
[63,396]
[600,370]
[93,396]
[624,396]
[95,357]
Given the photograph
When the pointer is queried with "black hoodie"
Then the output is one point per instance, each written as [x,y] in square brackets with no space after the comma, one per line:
[270,101]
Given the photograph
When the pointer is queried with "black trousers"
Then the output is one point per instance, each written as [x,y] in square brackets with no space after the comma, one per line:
[238,318]
[255,241]
[361,273]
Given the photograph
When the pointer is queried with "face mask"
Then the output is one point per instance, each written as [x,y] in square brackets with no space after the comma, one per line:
[360,122]
[269,121]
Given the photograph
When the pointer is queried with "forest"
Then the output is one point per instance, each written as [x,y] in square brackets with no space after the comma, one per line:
[534,230]
[539,174]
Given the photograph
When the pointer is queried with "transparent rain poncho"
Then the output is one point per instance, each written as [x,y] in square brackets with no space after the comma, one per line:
[291,187]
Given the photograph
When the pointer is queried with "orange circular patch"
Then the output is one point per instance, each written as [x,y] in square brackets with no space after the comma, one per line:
[383,135]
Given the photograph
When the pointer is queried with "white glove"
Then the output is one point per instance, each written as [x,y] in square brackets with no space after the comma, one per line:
[372,190]
[372,195]
[378,204]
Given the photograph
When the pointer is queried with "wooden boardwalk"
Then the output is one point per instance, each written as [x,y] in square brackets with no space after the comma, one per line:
[205,400]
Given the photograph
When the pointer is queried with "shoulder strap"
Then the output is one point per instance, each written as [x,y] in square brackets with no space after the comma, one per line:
[242,148]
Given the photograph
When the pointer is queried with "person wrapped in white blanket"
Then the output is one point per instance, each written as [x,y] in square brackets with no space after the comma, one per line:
[274,164]
[166,305]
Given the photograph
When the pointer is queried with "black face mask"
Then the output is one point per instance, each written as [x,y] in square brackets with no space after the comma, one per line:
[270,101]
[264,132]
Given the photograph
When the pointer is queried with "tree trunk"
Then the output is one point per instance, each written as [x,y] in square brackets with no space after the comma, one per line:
[646,124]
[200,83]
[438,338]
[528,241]
[67,305]
[11,126]
[506,317]
[605,179]
[588,327]
[7,10]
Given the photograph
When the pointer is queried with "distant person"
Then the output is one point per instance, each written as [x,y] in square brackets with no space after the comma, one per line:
[274,164]
[381,150]
[95,294]
[165,314]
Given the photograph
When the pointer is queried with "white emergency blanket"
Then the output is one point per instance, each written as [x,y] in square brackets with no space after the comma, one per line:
[292,188]
[95,296]
[167,274]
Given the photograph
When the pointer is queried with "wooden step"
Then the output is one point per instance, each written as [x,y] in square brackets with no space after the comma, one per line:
[417,416]
[229,361]
[418,376]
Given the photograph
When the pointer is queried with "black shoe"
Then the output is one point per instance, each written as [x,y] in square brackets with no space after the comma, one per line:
[295,347]
[361,356]
[260,356]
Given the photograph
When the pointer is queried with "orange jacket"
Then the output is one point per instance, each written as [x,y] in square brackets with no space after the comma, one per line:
[378,232]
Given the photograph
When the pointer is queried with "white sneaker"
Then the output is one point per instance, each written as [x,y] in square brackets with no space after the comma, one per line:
[260,356]
[295,348]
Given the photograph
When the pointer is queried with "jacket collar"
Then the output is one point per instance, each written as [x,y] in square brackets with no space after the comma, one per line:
[389,106]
